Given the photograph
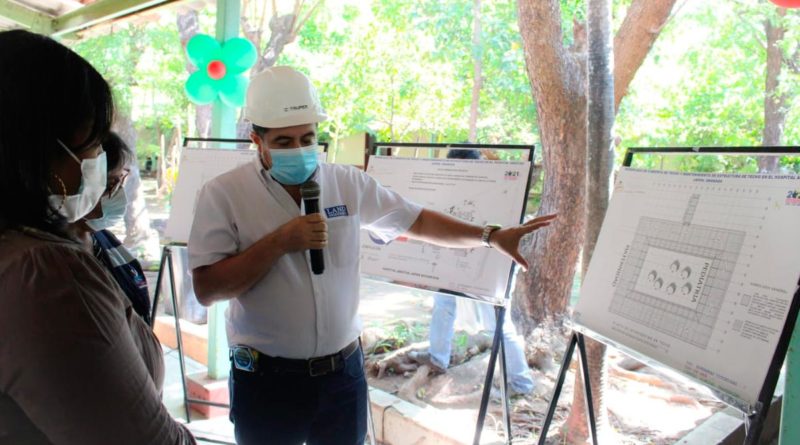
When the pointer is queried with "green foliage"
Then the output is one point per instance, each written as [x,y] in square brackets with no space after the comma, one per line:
[703,85]
[146,69]
[401,334]
[403,70]
[460,342]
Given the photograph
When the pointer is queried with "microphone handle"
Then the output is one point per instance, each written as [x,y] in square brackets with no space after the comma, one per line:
[317,262]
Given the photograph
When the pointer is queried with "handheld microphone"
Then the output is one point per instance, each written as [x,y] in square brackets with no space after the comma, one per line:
[309,191]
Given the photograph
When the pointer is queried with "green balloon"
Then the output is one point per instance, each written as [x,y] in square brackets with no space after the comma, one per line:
[233,90]
[238,55]
[200,88]
[202,49]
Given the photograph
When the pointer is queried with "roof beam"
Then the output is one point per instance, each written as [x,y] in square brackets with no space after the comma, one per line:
[26,17]
[100,11]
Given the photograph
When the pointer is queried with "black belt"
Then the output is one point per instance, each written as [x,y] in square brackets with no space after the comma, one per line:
[250,360]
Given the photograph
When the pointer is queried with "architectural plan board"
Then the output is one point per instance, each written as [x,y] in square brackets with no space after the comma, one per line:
[697,271]
[476,191]
[197,166]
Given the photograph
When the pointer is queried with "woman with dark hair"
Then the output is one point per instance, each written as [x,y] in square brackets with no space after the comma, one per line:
[78,367]
[93,231]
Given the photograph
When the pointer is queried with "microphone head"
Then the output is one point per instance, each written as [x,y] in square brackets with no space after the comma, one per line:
[309,190]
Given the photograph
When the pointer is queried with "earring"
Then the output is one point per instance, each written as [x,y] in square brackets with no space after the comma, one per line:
[63,191]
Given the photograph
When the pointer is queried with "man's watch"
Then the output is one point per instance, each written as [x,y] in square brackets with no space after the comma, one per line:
[488,229]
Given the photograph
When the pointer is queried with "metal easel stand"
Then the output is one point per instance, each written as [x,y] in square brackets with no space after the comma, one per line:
[166,262]
[577,339]
[498,346]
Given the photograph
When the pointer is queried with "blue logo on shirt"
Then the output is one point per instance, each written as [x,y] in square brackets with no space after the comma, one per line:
[333,212]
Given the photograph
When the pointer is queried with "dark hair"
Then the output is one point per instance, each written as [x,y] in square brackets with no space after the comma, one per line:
[47,92]
[260,131]
[118,153]
[459,153]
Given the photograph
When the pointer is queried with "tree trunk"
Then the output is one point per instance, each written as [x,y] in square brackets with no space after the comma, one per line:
[557,80]
[599,167]
[558,83]
[140,238]
[642,25]
[477,71]
[188,27]
[774,100]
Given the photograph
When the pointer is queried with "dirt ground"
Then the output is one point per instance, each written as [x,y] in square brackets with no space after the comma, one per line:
[645,406]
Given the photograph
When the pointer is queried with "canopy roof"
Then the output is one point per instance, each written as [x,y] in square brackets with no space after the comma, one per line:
[61,17]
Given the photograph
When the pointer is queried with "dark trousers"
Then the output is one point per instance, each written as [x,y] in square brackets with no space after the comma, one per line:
[269,407]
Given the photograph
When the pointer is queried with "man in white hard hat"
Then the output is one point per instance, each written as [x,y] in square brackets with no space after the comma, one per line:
[296,366]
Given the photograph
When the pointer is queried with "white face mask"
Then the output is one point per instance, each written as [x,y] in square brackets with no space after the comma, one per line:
[93,184]
[113,211]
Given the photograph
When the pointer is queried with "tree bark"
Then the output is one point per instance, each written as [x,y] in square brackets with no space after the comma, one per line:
[642,25]
[599,167]
[477,71]
[140,238]
[557,78]
[774,100]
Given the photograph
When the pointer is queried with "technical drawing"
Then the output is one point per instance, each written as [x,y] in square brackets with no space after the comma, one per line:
[676,276]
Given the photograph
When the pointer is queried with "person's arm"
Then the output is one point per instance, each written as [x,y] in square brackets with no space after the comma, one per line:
[444,230]
[70,361]
[234,275]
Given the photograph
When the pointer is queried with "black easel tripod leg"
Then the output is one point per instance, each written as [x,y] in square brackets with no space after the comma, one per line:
[487,387]
[157,294]
[754,424]
[500,313]
[587,388]
[551,410]
[178,336]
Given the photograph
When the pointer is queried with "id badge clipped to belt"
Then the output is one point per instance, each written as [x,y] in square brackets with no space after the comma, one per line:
[244,358]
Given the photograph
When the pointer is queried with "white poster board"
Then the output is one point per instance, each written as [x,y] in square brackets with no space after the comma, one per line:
[197,166]
[697,272]
[477,191]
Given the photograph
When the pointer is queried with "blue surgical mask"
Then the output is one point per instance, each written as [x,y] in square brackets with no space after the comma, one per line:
[292,166]
[113,211]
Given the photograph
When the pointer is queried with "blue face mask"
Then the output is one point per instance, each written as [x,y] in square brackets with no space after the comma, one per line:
[113,211]
[292,166]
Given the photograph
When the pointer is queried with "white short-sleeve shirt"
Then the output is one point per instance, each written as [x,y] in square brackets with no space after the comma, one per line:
[291,312]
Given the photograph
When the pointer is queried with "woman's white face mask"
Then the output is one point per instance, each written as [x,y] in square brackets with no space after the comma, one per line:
[93,184]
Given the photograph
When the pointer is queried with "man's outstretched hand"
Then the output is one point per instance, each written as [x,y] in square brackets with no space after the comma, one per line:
[507,240]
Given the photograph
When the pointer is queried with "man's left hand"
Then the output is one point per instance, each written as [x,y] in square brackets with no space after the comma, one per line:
[507,240]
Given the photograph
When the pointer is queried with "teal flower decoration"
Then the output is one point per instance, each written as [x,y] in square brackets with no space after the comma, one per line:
[220,69]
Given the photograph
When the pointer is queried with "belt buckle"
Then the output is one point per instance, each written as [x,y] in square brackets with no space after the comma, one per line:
[244,359]
[313,373]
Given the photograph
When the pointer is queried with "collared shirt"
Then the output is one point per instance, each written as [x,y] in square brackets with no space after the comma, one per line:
[77,366]
[291,312]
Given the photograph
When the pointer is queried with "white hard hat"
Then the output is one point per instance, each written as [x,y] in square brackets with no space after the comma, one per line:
[281,97]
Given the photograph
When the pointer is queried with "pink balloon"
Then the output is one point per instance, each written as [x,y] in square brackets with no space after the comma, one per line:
[787,3]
